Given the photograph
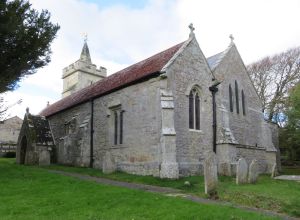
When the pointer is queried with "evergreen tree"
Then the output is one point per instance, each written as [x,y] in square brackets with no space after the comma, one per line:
[25,37]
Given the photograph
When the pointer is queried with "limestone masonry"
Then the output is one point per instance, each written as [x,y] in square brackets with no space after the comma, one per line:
[9,133]
[155,117]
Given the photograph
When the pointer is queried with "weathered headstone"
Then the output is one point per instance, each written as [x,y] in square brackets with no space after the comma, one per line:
[224,169]
[241,171]
[108,165]
[253,171]
[44,156]
[211,174]
[274,170]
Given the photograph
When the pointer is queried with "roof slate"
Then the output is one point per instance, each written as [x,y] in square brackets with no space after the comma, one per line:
[118,80]
[214,60]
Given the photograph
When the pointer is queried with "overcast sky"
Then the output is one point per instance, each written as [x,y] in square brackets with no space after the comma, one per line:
[122,32]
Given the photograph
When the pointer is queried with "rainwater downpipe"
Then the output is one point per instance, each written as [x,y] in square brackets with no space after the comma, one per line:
[214,90]
[92,135]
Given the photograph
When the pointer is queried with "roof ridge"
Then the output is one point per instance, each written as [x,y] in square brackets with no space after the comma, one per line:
[142,61]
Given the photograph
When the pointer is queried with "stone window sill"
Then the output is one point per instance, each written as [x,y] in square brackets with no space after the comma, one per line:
[197,131]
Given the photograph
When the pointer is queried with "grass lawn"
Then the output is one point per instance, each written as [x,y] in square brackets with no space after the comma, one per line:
[276,195]
[31,193]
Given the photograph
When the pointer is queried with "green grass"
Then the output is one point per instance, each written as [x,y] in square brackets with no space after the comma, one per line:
[29,192]
[276,195]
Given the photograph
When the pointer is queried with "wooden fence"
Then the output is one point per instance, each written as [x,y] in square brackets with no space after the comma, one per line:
[7,147]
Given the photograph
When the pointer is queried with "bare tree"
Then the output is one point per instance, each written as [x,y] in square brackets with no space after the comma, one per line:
[273,77]
[4,107]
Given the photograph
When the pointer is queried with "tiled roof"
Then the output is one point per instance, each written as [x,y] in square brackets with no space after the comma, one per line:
[118,80]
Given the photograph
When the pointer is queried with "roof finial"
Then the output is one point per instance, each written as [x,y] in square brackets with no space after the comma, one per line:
[191,27]
[27,111]
[231,38]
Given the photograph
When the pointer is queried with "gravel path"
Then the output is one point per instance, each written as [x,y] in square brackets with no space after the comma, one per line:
[288,177]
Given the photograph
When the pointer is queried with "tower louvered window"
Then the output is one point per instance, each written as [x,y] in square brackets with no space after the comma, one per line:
[194,110]
[230,98]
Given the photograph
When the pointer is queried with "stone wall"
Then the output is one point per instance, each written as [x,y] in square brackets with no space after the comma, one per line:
[251,153]
[9,130]
[71,132]
[191,69]
[240,135]
[140,151]
[274,130]
[245,129]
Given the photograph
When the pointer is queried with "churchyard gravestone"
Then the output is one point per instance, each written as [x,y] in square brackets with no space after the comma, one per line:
[211,174]
[274,170]
[253,171]
[241,171]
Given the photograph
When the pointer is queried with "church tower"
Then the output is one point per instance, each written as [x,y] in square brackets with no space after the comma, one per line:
[82,73]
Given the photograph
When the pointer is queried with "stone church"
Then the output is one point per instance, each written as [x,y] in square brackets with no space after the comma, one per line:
[160,116]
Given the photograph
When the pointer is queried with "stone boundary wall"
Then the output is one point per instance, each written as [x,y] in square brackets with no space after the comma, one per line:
[251,153]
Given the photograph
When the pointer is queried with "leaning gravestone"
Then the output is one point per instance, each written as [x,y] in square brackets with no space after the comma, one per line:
[253,171]
[210,174]
[274,170]
[241,171]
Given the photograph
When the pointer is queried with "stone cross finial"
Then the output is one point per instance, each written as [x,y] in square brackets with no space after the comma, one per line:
[231,38]
[191,27]
[27,111]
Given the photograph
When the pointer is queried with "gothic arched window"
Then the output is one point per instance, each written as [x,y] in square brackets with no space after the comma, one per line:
[194,109]
[230,98]
[243,103]
[237,97]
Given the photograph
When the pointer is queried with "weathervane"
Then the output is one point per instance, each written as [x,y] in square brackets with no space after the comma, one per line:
[191,27]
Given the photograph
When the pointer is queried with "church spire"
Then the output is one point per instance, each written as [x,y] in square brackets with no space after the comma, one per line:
[85,53]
